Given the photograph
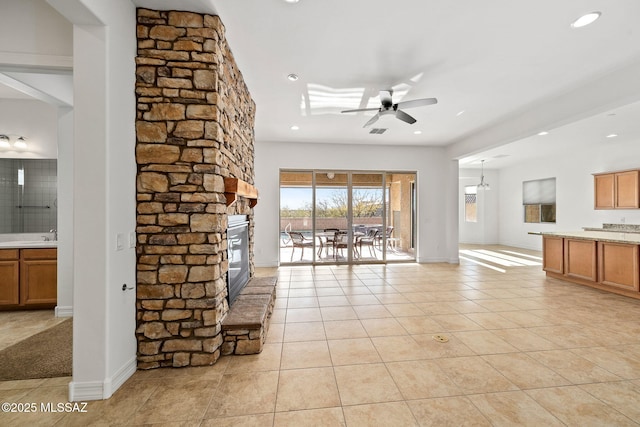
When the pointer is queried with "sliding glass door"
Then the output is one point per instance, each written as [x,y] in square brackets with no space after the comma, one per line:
[332,216]
[335,217]
[368,216]
[296,217]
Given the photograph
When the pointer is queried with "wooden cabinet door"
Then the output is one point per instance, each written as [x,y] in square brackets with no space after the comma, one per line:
[618,265]
[38,282]
[580,259]
[553,254]
[9,282]
[604,191]
[626,193]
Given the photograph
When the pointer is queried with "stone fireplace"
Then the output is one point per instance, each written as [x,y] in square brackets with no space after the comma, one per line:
[194,130]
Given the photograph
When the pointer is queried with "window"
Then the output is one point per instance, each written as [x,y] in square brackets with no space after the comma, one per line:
[539,200]
[471,203]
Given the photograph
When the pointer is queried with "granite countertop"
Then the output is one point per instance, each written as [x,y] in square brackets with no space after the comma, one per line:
[600,236]
[24,244]
[612,230]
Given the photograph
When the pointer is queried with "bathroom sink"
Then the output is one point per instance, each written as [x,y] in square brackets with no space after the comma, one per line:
[30,244]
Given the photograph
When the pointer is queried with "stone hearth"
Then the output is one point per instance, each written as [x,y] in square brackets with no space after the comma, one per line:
[194,128]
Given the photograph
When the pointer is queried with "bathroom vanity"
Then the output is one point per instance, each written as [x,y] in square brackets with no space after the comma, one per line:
[28,275]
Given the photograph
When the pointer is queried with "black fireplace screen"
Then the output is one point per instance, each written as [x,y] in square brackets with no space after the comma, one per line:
[238,252]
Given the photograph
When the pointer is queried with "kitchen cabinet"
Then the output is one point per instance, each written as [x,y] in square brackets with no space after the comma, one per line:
[605,260]
[553,254]
[28,278]
[618,265]
[626,190]
[617,190]
[580,259]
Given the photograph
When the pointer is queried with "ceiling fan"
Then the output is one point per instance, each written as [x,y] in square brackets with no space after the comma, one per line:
[388,107]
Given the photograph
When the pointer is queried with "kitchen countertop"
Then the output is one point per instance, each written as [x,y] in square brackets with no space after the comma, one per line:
[25,244]
[600,236]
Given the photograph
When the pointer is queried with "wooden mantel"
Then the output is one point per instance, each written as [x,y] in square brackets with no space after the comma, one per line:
[234,187]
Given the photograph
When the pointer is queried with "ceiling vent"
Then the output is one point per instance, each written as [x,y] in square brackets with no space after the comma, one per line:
[378,131]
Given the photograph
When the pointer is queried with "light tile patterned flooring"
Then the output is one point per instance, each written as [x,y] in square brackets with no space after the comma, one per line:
[354,346]
[15,326]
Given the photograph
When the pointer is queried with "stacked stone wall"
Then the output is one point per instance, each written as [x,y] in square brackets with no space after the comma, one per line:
[194,127]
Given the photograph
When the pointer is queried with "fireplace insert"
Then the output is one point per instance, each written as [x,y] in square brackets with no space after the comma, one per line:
[238,255]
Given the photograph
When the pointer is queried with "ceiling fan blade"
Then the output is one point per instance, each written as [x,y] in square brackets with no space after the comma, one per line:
[372,120]
[359,109]
[417,103]
[405,117]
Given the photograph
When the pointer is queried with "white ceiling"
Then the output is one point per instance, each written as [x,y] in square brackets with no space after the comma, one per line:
[7,92]
[515,68]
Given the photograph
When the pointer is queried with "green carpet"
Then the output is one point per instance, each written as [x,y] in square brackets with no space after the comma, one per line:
[44,355]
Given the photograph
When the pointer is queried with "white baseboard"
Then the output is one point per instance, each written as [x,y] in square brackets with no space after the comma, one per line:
[432,260]
[64,311]
[96,390]
[124,373]
[90,390]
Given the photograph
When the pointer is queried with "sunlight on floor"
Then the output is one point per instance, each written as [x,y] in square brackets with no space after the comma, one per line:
[498,259]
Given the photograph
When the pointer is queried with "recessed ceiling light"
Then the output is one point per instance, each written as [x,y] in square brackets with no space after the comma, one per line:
[543,133]
[612,135]
[585,20]
[417,132]
[461,112]
[293,77]
[291,1]
[294,127]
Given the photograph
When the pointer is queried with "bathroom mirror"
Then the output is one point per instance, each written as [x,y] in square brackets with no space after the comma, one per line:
[28,195]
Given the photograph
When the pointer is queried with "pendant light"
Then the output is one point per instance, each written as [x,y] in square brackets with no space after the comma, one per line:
[483,185]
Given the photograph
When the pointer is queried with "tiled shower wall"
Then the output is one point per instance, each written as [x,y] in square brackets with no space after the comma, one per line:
[8,181]
[32,207]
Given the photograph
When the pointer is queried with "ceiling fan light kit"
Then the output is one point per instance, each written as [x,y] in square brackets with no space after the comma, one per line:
[387,107]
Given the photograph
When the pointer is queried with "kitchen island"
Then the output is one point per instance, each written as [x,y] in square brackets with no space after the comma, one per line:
[606,258]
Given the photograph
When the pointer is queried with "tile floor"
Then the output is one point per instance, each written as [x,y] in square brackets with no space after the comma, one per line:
[18,325]
[354,346]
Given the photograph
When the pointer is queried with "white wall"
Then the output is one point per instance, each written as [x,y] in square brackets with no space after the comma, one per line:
[437,190]
[64,307]
[485,230]
[36,121]
[45,36]
[104,346]
[574,191]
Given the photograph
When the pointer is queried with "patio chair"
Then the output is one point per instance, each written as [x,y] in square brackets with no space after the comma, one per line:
[340,242]
[328,240]
[387,235]
[368,240]
[299,241]
[284,236]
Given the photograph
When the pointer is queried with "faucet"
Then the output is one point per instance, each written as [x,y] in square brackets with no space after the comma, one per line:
[55,233]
